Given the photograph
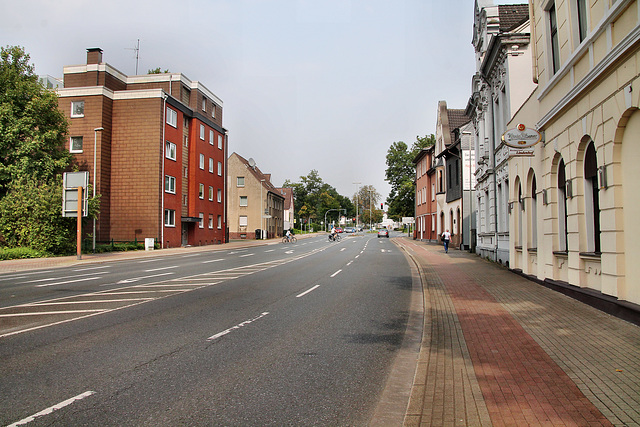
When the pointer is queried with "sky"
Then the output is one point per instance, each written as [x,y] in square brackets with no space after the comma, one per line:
[328,85]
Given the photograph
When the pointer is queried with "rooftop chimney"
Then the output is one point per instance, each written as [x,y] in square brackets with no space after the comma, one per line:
[94,55]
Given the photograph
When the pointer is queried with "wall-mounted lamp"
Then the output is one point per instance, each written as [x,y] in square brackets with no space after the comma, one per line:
[569,189]
[545,199]
[602,176]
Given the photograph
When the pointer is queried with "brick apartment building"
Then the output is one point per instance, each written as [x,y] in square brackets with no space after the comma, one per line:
[160,157]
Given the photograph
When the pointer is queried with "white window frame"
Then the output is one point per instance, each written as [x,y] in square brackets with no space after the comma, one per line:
[210,193]
[219,195]
[201,222]
[204,104]
[201,192]
[202,131]
[202,161]
[220,142]
[171,150]
[169,218]
[210,165]
[71,145]
[219,168]
[211,136]
[210,221]
[244,201]
[219,222]
[73,109]
[240,181]
[172,117]
[170,184]
[243,221]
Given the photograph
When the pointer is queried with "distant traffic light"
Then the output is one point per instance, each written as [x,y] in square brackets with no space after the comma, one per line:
[381,204]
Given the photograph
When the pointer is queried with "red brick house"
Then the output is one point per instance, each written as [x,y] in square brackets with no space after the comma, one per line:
[426,209]
[160,158]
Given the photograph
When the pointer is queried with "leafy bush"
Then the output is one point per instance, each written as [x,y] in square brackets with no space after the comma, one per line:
[19,253]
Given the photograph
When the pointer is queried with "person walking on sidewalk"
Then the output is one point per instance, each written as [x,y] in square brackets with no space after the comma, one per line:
[446,238]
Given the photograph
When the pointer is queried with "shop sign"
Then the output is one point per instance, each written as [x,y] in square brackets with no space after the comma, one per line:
[521,137]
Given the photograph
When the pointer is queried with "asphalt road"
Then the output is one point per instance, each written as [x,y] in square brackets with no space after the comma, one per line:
[301,334]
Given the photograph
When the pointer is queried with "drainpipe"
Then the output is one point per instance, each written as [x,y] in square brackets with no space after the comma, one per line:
[163,144]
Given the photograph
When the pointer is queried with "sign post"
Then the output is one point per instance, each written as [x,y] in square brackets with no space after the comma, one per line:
[79,227]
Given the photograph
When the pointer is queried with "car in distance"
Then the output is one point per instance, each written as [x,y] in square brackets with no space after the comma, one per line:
[383,232]
[349,230]
[338,230]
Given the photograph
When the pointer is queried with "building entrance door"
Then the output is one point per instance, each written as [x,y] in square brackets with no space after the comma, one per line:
[185,234]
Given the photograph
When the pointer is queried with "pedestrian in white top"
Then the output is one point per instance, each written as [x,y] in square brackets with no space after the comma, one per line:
[446,238]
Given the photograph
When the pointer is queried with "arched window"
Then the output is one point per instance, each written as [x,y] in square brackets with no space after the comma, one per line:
[591,198]
[520,210]
[533,243]
[563,244]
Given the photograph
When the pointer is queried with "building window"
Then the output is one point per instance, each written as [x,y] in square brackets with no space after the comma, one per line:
[204,104]
[170,184]
[582,20]
[219,168]
[210,165]
[201,222]
[244,201]
[219,222]
[201,191]
[219,195]
[592,199]
[172,117]
[563,236]
[210,222]
[169,218]
[211,137]
[220,142]
[202,130]
[213,111]
[243,221]
[75,144]
[170,150]
[240,181]
[553,32]
[202,161]
[534,215]
[210,193]
[77,109]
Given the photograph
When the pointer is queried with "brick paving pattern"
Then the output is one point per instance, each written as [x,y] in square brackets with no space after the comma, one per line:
[538,357]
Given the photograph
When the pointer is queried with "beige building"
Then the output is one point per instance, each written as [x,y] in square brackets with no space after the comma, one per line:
[573,204]
[254,203]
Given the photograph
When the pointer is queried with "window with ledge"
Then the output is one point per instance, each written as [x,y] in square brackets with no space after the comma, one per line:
[170,184]
[75,144]
[243,221]
[77,109]
[202,131]
[170,150]
[204,104]
[202,161]
[169,218]
[210,193]
[201,222]
[219,168]
[172,117]
[240,181]
[583,28]
[219,222]
[210,221]
[201,191]
[210,165]
[219,195]
[211,137]
[220,142]
[244,201]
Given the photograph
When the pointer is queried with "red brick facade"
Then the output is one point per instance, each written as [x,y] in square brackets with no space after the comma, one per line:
[156,176]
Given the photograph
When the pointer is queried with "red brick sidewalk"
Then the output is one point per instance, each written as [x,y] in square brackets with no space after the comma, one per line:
[485,360]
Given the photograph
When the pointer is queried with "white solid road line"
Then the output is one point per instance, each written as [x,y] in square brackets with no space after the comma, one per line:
[68,281]
[53,408]
[161,268]
[238,326]
[307,291]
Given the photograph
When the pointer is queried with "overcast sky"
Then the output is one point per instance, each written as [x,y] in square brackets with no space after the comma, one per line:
[306,84]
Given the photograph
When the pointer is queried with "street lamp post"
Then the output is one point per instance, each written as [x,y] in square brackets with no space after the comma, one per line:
[370,201]
[95,149]
[357,203]
[262,210]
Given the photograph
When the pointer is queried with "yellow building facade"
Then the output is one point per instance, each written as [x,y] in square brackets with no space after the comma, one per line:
[573,203]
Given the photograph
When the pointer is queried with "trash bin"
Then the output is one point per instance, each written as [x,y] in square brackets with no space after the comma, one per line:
[149,243]
[258,234]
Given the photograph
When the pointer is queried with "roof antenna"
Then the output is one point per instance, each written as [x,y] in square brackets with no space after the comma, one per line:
[137,49]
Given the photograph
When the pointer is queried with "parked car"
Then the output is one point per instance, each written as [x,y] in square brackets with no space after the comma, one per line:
[349,230]
[383,232]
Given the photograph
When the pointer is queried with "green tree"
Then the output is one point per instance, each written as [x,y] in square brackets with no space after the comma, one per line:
[157,71]
[32,158]
[32,128]
[400,174]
